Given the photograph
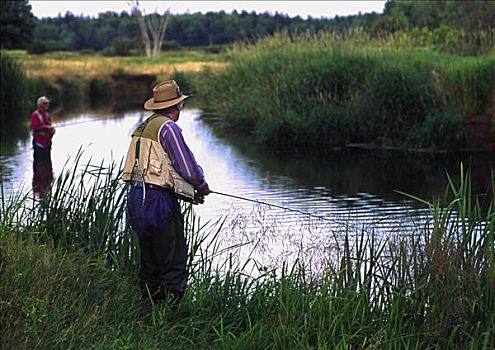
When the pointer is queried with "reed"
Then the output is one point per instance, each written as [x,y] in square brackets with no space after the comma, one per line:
[13,106]
[430,289]
[314,92]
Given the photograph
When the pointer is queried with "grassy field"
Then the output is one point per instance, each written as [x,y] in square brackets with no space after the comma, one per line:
[68,270]
[92,65]
[74,80]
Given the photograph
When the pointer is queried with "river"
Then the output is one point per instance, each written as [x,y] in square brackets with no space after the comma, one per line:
[352,190]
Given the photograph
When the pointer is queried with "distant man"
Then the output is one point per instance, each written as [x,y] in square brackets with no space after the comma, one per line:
[161,169]
[43,130]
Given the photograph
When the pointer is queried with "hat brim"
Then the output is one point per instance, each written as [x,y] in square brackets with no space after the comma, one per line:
[152,105]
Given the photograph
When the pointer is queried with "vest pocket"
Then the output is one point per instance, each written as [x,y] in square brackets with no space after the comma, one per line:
[155,167]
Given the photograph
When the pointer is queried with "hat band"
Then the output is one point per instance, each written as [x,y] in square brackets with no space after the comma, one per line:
[170,99]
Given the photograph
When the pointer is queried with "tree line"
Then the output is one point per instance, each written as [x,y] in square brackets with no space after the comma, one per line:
[118,33]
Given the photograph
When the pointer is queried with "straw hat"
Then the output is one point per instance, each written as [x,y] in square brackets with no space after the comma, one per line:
[165,95]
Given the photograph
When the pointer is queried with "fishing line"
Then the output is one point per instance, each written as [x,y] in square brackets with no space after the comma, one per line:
[277,206]
[66,124]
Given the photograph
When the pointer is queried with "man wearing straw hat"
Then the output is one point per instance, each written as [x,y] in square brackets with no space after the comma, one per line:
[160,169]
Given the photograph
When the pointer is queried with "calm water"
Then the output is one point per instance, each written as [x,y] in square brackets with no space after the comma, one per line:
[353,190]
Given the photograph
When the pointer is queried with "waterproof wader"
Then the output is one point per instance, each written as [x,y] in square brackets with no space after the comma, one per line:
[163,272]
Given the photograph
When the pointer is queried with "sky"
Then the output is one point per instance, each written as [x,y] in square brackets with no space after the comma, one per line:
[315,9]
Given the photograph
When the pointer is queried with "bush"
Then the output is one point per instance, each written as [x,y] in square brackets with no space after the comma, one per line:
[41,47]
[171,45]
[184,80]
[440,130]
[120,47]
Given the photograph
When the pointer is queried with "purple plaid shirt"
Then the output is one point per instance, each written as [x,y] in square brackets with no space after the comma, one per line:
[181,156]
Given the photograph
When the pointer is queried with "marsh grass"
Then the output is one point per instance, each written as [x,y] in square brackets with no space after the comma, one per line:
[13,104]
[310,93]
[68,281]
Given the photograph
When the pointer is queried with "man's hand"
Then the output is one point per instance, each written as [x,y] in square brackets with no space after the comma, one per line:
[200,194]
[204,190]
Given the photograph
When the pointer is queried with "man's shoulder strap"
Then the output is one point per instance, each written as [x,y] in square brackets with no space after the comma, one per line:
[40,117]
[147,128]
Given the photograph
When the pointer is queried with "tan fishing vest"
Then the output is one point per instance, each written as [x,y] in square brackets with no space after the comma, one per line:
[147,159]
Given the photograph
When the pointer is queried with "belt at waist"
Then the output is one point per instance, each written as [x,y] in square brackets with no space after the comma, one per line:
[151,186]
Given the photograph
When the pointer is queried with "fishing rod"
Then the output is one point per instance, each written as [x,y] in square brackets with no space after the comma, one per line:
[275,206]
[63,125]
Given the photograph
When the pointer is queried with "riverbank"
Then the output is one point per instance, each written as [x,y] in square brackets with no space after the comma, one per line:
[311,93]
[306,94]
[73,79]
[69,264]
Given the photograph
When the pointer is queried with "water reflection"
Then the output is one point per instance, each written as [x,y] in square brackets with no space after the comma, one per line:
[362,172]
[42,174]
[353,189]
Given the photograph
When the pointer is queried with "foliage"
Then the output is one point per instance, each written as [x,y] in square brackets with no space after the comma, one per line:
[16,24]
[13,106]
[471,16]
[66,282]
[310,93]
[70,32]
[74,79]
[461,22]
[121,47]
[449,18]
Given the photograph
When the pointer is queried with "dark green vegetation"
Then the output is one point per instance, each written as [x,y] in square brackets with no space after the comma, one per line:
[397,79]
[68,281]
[16,24]
[12,99]
[118,34]
[72,81]
[313,93]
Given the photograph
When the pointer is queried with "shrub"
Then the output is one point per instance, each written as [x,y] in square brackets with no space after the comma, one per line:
[184,80]
[120,47]
[41,47]
[440,130]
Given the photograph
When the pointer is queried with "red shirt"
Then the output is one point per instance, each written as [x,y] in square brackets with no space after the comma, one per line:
[41,125]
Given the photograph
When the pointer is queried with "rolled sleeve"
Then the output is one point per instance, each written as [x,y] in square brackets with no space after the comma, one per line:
[181,156]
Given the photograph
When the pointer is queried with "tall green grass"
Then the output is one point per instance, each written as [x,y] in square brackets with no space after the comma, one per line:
[66,285]
[314,92]
[13,105]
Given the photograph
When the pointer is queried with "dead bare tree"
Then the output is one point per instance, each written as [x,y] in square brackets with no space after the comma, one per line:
[152,25]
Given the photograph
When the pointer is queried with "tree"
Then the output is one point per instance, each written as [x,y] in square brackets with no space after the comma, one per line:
[16,24]
[390,23]
[154,25]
